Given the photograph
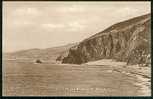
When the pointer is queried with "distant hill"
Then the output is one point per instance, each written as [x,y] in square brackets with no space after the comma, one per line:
[124,41]
[48,54]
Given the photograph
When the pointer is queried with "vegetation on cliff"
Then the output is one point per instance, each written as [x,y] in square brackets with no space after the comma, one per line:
[125,41]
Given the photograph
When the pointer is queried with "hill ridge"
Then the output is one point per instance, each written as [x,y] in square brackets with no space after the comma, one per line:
[125,42]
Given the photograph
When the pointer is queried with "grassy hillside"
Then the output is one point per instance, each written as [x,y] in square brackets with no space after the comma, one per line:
[125,41]
[49,54]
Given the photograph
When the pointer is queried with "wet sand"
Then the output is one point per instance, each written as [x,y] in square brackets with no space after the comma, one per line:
[29,79]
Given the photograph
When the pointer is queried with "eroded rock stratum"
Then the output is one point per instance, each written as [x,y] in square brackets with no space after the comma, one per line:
[125,41]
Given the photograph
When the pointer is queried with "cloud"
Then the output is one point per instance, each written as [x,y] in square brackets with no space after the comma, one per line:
[126,11]
[70,26]
[61,23]
[22,23]
[27,11]
[21,17]
[75,26]
[72,9]
[48,25]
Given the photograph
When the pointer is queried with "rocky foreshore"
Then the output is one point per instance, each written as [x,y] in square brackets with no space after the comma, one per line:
[142,74]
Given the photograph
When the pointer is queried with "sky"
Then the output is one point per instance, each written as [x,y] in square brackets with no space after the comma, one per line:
[28,25]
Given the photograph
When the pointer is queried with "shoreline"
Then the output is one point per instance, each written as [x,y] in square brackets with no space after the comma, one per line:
[143,74]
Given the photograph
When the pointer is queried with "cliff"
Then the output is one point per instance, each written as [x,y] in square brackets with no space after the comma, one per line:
[125,41]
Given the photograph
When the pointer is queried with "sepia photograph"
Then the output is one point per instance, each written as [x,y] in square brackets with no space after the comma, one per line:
[76,48]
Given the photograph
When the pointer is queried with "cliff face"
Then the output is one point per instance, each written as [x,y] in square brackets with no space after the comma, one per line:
[125,41]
